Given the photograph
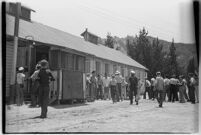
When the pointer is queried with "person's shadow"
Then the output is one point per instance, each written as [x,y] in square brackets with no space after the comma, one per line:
[36,117]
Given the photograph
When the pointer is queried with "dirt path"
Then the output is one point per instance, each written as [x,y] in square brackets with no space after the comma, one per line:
[103,116]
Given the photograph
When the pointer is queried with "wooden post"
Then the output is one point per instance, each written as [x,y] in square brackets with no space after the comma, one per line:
[13,71]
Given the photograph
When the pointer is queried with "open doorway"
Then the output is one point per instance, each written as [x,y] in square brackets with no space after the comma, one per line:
[42,52]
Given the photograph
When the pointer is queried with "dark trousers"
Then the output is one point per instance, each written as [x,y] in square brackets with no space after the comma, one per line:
[99,92]
[113,93]
[44,99]
[119,97]
[160,96]
[34,93]
[147,90]
[155,94]
[131,93]
[173,92]
[167,92]
[177,91]
[192,93]
[152,92]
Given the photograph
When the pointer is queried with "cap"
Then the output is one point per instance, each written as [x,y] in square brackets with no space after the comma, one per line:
[132,72]
[20,68]
[117,72]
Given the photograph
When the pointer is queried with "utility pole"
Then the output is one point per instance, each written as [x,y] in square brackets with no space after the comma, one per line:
[13,71]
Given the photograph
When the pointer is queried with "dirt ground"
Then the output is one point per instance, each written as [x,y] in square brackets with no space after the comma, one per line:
[103,116]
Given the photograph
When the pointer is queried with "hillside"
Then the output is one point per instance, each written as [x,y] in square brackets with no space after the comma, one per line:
[183,51]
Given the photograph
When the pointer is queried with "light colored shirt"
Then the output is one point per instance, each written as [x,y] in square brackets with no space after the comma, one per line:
[20,78]
[159,83]
[99,81]
[152,81]
[148,84]
[173,81]
[106,81]
[192,81]
[113,82]
[35,75]
[119,79]
[166,81]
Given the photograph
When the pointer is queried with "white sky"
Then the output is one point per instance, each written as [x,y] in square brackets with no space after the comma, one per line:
[166,19]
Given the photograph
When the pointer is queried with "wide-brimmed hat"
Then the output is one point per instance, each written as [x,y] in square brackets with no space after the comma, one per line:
[44,63]
[20,68]
[132,72]
[117,72]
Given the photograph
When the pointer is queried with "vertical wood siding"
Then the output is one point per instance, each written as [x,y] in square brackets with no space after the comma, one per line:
[9,61]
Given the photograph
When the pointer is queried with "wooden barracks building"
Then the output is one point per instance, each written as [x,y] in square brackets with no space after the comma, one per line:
[70,57]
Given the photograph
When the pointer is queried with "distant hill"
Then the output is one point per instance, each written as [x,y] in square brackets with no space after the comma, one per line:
[183,51]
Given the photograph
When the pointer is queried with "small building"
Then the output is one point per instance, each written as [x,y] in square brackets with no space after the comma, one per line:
[70,57]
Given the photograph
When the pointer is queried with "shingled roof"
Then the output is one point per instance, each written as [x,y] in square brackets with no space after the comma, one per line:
[45,34]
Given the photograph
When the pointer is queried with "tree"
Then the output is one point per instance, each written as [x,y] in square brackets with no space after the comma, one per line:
[109,41]
[191,66]
[142,49]
[172,61]
[157,56]
[130,48]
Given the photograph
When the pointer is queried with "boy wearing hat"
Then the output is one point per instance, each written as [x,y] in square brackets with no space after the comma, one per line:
[44,77]
[19,86]
[119,80]
[113,86]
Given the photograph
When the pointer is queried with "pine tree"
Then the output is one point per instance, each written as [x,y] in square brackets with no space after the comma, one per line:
[142,49]
[172,61]
[109,41]
[191,66]
[157,56]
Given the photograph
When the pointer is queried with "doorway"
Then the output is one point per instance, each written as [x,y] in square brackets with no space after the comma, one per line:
[42,52]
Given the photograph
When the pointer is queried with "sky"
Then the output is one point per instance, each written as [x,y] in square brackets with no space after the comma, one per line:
[165,19]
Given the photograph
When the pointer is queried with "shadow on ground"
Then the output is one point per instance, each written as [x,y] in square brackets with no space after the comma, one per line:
[62,106]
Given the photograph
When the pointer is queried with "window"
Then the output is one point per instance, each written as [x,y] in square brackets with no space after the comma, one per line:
[114,68]
[107,69]
[87,66]
[64,60]
[98,70]
[79,63]
[54,59]
[70,61]
[25,13]
[122,71]
[22,57]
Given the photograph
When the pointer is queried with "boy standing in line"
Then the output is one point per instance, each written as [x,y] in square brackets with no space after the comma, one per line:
[20,86]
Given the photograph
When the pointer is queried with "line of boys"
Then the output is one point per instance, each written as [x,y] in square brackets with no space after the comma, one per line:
[176,89]
[106,87]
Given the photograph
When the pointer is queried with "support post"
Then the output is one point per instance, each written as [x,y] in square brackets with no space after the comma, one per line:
[13,71]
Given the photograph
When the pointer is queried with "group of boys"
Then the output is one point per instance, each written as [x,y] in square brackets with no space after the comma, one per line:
[40,86]
[106,87]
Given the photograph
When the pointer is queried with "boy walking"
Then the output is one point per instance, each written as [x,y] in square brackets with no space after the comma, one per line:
[159,88]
